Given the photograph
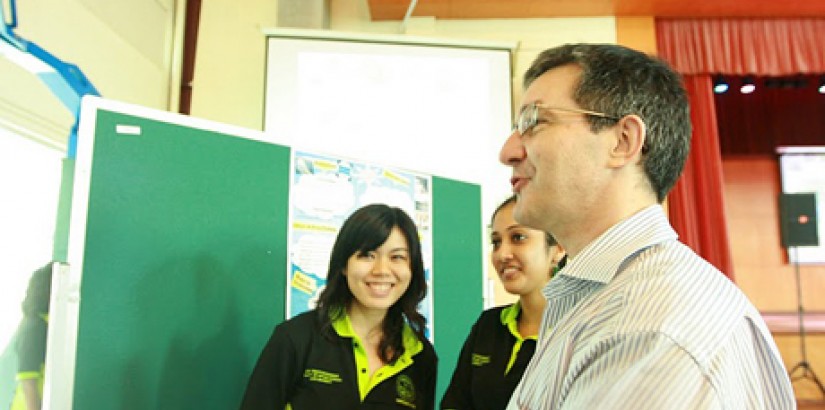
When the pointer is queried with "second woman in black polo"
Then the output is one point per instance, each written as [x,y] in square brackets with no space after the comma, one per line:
[503,339]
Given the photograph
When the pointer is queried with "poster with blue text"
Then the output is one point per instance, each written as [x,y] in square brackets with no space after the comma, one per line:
[325,191]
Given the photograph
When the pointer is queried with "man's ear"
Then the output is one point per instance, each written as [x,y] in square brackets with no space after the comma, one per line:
[629,138]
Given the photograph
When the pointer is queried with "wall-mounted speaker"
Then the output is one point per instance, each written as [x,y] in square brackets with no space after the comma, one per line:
[797,213]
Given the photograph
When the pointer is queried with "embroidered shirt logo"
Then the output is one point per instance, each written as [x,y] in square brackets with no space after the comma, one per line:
[405,388]
[480,359]
[320,376]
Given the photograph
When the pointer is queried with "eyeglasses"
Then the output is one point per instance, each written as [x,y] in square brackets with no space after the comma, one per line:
[529,116]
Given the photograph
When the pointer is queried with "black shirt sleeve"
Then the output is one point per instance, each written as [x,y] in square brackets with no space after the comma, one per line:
[276,373]
[433,371]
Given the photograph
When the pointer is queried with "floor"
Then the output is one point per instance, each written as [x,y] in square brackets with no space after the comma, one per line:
[785,328]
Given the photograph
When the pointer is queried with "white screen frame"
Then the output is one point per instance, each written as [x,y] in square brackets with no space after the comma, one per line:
[802,170]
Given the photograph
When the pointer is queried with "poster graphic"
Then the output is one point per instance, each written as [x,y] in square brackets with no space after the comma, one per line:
[325,191]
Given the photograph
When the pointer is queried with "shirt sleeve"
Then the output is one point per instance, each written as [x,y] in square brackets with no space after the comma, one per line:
[459,395]
[644,371]
[432,380]
[31,347]
[276,373]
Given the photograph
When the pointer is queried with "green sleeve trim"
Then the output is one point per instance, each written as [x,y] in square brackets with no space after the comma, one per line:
[27,375]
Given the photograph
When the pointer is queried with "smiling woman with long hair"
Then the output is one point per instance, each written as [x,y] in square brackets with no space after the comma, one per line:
[363,346]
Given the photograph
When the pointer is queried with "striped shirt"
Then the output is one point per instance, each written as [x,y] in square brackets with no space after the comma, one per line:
[639,321]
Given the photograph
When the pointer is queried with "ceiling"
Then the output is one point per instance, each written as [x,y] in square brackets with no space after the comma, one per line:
[488,9]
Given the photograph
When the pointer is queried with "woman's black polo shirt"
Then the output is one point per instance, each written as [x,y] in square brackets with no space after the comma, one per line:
[491,363]
[301,369]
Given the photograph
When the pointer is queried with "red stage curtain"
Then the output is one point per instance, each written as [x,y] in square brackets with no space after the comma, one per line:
[697,48]
[696,204]
[769,47]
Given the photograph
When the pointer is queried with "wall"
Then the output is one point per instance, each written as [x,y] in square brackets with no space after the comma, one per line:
[761,269]
[638,33]
[233,93]
[230,61]
[531,35]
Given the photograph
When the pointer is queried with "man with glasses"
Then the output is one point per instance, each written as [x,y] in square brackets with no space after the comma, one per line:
[636,319]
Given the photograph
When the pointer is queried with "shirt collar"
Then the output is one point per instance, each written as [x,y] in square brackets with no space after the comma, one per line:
[602,259]
[343,327]
[510,313]
[509,318]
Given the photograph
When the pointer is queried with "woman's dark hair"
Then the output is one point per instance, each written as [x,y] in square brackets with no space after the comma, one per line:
[38,292]
[512,200]
[364,231]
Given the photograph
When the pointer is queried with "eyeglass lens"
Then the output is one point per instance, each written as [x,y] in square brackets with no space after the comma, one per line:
[527,118]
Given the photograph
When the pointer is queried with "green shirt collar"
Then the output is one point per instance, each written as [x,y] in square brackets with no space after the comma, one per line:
[343,327]
[412,346]
[509,318]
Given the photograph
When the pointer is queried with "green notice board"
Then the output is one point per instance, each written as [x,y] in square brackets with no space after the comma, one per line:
[457,270]
[181,254]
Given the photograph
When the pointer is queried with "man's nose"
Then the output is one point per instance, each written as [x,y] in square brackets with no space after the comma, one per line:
[512,151]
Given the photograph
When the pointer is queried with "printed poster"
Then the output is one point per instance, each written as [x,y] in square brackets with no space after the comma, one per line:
[325,191]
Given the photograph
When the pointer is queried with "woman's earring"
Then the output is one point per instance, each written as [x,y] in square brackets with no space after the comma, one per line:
[562,262]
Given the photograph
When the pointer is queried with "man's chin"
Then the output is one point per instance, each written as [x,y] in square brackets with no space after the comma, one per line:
[526,215]
[521,211]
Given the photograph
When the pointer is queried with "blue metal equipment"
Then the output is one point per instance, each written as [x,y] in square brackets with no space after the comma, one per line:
[64,79]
